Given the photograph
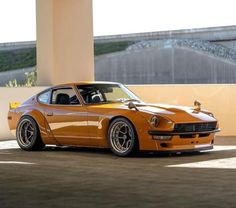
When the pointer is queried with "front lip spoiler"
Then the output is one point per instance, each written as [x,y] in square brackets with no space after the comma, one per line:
[198,149]
[166,133]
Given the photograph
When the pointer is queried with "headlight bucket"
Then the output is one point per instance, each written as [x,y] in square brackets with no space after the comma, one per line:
[154,121]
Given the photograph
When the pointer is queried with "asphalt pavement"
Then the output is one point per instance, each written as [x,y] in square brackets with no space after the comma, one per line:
[82,177]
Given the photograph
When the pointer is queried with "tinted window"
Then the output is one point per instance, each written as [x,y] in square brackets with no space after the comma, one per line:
[44,98]
[64,96]
[102,93]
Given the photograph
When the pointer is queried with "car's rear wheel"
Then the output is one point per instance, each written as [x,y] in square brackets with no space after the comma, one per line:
[28,135]
[122,137]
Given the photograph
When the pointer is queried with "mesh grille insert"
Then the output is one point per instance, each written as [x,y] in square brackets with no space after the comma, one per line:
[195,127]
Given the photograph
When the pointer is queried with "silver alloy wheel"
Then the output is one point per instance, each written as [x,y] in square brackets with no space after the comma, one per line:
[121,137]
[26,133]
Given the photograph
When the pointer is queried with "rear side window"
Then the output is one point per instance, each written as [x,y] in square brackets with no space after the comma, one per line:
[64,96]
[44,98]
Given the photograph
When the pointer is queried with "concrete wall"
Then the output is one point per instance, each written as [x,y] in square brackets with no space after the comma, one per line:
[8,95]
[164,65]
[228,43]
[18,74]
[220,99]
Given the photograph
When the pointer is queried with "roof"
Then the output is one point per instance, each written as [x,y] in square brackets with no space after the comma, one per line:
[85,83]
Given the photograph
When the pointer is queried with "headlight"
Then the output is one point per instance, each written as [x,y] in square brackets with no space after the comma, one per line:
[154,121]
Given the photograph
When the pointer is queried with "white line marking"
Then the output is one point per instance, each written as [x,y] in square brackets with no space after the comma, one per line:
[9,145]
[226,163]
[16,162]
[223,148]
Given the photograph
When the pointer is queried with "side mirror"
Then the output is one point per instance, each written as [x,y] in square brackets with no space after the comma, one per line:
[197,105]
[131,105]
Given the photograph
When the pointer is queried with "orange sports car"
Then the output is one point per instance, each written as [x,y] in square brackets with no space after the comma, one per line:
[108,115]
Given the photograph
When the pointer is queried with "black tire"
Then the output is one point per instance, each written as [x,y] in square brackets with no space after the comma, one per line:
[28,135]
[121,129]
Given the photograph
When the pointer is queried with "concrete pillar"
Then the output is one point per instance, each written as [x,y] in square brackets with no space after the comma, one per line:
[64,41]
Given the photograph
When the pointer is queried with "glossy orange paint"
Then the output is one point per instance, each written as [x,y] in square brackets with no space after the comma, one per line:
[87,124]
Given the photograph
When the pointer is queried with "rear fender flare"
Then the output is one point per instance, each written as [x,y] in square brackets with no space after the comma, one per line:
[40,119]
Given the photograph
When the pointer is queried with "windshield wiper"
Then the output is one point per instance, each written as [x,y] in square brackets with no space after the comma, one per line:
[125,100]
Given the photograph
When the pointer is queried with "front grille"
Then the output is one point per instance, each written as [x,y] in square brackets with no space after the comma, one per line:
[195,127]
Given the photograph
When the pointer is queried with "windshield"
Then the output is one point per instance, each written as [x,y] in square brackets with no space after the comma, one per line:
[105,93]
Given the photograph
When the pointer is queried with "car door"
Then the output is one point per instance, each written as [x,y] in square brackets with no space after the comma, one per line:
[67,117]
[93,97]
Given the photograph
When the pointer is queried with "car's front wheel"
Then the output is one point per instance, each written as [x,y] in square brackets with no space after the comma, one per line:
[122,137]
[28,135]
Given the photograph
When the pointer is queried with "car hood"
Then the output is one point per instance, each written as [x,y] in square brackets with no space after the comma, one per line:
[178,114]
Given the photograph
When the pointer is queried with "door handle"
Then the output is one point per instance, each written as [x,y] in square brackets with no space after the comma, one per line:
[50,114]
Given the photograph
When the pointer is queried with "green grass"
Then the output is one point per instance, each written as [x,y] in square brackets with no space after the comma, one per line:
[23,58]
[105,48]
[17,59]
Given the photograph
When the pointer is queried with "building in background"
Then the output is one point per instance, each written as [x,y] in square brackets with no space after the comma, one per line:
[173,57]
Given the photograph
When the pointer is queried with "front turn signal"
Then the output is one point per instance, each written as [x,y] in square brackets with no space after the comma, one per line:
[14,105]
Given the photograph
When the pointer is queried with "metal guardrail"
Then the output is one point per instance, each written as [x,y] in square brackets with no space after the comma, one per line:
[224,33]
[17,45]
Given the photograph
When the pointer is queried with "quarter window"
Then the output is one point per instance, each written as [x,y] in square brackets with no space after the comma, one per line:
[44,98]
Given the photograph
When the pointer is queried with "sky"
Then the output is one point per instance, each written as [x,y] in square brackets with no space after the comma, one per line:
[17,17]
